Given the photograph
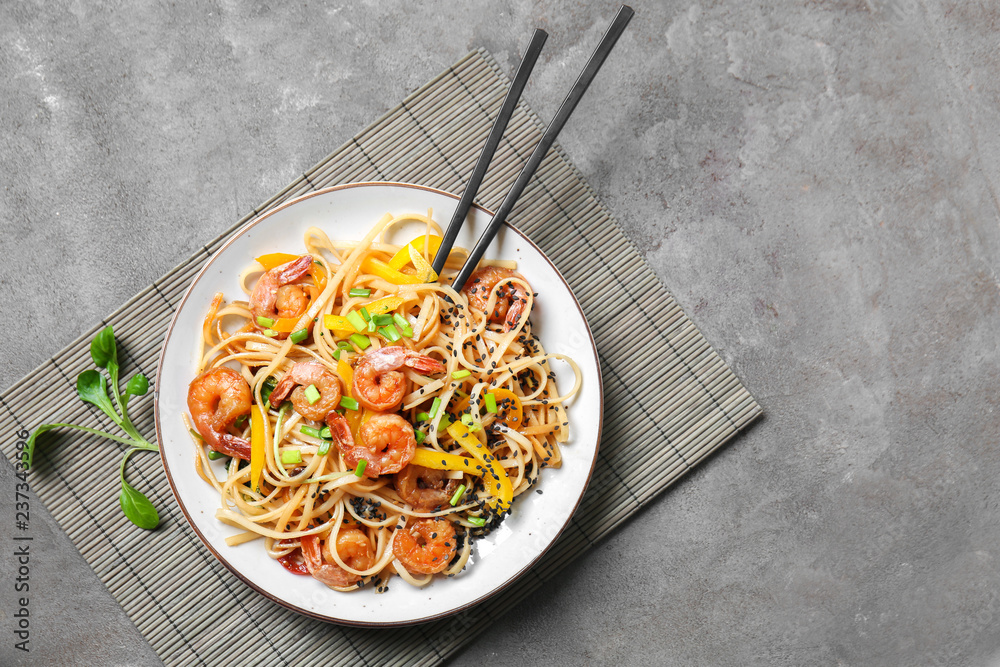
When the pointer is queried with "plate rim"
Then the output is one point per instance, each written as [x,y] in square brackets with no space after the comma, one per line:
[240,231]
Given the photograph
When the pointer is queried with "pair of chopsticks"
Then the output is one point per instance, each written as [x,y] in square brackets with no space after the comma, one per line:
[607,43]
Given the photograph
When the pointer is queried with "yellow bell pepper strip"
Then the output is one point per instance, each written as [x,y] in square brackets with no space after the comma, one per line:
[382,270]
[429,458]
[256,446]
[423,267]
[353,417]
[275,259]
[509,407]
[400,259]
[339,325]
[384,305]
[502,489]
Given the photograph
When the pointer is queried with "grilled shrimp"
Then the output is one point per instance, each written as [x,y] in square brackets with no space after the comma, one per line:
[387,444]
[426,547]
[352,546]
[426,489]
[303,375]
[216,398]
[378,382]
[511,299]
[273,297]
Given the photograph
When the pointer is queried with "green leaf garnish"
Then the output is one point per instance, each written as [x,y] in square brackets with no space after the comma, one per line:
[93,387]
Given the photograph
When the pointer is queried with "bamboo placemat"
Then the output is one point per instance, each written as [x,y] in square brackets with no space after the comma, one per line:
[669,399]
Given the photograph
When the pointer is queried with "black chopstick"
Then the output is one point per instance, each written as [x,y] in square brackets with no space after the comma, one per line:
[490,147]
[562,114]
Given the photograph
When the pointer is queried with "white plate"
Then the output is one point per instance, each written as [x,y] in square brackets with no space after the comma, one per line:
[347,212]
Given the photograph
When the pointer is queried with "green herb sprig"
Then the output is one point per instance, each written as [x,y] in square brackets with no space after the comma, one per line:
[92,387]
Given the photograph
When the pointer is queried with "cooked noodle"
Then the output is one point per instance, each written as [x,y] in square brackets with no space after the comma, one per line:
[311,506]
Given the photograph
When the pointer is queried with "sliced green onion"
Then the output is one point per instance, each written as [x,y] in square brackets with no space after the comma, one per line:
[491,403]
[423,416]
[360,470]
[401,321]
[390,332]
[358,291]
[364,314]
[324,448]
[361,341]
[445,421]
[336,354]
[291,456]
[344,345]
[310,431]
[325,433]
[356,321]
[215,456]
[458,375]
[299,336]
[348,403]
[241,420]
[476,520]
[435,406]
[419,436]
[270,333]
[459,492]
[265,321]
[371,326]
[270,382]
[382,320]
[312,394]
[467,419]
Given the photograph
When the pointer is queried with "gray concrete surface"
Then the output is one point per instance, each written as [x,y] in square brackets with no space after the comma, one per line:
[816,181]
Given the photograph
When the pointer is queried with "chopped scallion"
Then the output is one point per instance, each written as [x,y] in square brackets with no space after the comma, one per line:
[491,403]
[291,456]
[325,433]
[358,291]
[324,448]
[401,321]
[299,336]
[312,394]
[476,520]
[265,321]
[390,332]
[459,492]
[270,333]
[361,341]
[356,321]
[382,320]
[364,314]
[215,456]
[371,326]
[422,416]
[336,354]
[458,375]
[419,436]
[360,470]
[310,431]
[435,406]
[348,403]
[467,419]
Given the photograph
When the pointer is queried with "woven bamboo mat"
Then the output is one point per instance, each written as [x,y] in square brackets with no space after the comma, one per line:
[188,606]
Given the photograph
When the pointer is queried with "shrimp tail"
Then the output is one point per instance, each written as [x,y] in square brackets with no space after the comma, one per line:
[340,430]
[283,388]
[424,364]
[294,270]
[230,445]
